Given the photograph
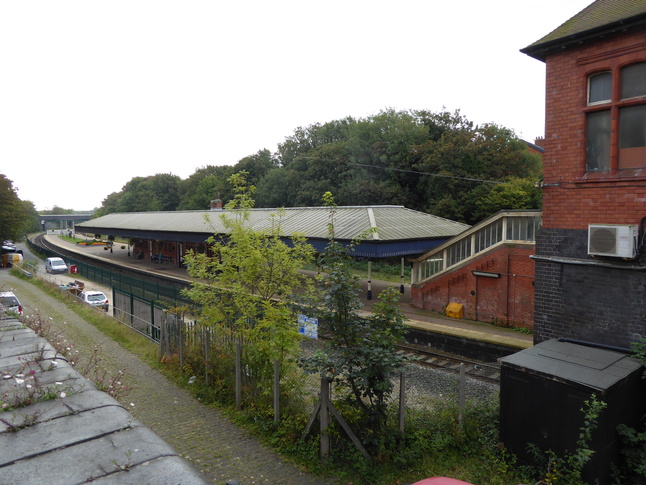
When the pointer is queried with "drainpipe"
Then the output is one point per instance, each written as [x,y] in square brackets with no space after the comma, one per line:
[595,345]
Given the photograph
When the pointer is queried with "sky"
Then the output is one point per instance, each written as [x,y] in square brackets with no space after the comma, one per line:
[95,93]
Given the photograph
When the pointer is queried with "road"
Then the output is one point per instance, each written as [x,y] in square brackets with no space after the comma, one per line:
[199,432]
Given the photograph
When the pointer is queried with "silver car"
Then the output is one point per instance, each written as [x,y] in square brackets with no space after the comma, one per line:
[9,303]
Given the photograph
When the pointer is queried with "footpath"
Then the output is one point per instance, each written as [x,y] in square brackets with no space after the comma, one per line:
[203,445]
[197,436]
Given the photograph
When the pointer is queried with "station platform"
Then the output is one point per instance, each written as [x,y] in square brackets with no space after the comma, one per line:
[418,320]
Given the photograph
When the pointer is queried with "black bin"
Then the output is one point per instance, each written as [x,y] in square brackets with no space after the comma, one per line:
[542,392]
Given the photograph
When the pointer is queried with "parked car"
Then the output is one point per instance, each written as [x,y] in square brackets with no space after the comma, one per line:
[11,259]
[96,299]
[9,303]
[55,265]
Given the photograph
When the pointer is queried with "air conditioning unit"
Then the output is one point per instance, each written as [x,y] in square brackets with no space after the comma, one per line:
[619,241]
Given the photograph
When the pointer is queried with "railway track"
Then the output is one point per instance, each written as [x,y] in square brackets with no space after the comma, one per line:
[423,356]
[451,363]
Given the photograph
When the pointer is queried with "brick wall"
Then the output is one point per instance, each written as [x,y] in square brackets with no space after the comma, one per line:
[572,198]
[605,303]
[508,300]
[598,300]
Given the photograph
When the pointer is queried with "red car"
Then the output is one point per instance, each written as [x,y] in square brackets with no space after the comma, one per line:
[441,481]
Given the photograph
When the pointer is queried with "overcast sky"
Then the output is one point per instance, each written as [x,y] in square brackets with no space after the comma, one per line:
[94,93]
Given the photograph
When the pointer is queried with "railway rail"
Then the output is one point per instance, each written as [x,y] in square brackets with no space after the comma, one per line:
[451,363]
[421,355]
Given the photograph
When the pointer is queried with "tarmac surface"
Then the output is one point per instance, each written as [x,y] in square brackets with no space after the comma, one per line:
[202,437]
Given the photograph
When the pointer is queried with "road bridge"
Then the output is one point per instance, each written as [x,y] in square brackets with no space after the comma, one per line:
[63,221]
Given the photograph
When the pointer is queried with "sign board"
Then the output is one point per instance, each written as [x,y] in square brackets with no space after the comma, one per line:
[308,326]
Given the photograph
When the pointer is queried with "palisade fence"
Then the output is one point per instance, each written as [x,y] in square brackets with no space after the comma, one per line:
[137,285]
[219,359]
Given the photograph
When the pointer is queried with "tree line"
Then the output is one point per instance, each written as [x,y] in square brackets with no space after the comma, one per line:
[439,163]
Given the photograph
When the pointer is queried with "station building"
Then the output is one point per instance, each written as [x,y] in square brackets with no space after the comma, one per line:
[590,262]
[385,231]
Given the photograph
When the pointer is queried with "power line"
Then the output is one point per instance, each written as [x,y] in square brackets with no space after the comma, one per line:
[428,173]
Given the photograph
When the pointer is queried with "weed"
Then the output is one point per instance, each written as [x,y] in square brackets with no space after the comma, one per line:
[125,466]
[568,469]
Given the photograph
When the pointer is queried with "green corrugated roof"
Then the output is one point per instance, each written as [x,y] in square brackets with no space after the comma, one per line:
[602,16]
[392,223]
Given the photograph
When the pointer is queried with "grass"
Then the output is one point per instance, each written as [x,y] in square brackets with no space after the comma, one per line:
[434,443]
[388,270]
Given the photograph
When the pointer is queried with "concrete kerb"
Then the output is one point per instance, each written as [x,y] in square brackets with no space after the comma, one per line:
[78,433]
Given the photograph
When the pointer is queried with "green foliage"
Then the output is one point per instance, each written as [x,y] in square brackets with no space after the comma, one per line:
[205,184]
[12,214]
[245,285]
[158,192]
[633,441]
[360,357]
[439,163]
[568,469]
[31,221]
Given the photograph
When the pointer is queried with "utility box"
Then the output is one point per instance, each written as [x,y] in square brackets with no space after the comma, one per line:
[455,310]
[544,388]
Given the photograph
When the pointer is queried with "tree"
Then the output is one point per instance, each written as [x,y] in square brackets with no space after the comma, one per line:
[158,192]
[203,186]
[361,355]
[12,215]
[461,161]
[256,166]
[513,194]
[246,280]
[31,221]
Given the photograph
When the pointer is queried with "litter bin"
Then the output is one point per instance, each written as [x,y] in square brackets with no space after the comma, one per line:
[73,269]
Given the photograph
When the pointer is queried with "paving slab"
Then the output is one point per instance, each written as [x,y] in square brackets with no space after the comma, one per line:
[134,455]
[57,428]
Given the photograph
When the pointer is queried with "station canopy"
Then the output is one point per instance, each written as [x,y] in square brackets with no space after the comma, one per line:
[395,230]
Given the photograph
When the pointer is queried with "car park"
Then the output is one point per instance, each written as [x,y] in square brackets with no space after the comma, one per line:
[55,265]
[96,299]
[9,303]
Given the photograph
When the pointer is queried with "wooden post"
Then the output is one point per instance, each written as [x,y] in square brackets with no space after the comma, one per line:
[462,393]
[324,417]
[163,331]
[276,391]
[181,330]
[207,352]
[402,401]
[238,376]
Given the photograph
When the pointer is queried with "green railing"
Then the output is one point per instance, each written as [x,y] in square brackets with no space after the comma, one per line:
[136,285]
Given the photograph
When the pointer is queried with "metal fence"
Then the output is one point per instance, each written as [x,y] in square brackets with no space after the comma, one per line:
[142,288]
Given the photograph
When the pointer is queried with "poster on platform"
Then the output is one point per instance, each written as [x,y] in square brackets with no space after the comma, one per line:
[308,326]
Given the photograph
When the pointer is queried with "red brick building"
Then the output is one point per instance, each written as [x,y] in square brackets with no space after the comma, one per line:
[590,273]
[487,270]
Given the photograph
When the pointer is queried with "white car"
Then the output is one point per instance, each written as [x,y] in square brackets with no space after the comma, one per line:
[96,299]
[9,303]
[55,265]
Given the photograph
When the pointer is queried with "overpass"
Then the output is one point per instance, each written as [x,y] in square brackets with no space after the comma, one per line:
[63,221]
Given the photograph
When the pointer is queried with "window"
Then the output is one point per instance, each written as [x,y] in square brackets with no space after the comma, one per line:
[623,147]
[600,88]
[488,236]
